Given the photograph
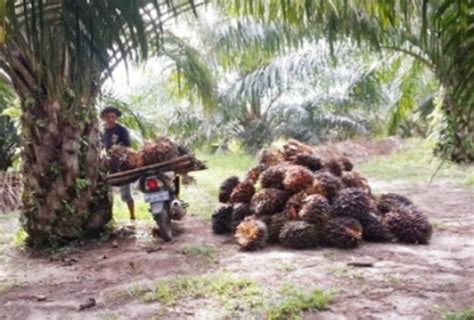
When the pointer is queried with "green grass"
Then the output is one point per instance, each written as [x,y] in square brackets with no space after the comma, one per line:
[295,301]
[19,237]
[416,163]
[467,314]
[235,294]
[202,196]
[141,208]
[200,251]
[227,289]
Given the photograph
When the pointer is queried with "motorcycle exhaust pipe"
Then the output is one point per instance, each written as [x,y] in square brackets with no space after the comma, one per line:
[178,209]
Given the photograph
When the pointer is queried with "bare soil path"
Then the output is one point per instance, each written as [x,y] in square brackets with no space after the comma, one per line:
[405,281]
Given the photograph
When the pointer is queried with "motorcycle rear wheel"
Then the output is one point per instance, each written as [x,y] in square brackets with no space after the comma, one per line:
[163,220]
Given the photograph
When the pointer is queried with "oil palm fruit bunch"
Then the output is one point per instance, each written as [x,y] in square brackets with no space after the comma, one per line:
[299,235]
[352,202]
[409,224]
[243,192]
[239,212]
[269,158]
[222,219]
[293,148]
[264,218]
[315,209]
[333,166]
[325,184]
[182,150]
[297,178]
[251,234]
[268,201]
[305,201]
[294,204]
[345,164]
[226,188]
[309,161]
[352,179]
[389,201]
[275,224]
[273,177]
[122,158]
[375,230]
[254,174]
[342,232]
[159,150]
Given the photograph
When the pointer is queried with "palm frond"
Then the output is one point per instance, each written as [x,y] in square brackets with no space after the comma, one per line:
[406,104]
[194,75]
[76,44]
[304,66]
[249,43]
[439,33]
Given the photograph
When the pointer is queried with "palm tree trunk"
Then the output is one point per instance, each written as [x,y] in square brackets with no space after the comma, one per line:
[457,136]
[62,193]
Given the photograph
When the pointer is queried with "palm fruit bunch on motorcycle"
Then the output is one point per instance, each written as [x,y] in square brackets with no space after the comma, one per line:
[159,150]
[122,158]
[303,200]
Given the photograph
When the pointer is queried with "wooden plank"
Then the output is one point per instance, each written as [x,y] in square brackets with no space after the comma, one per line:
[149,167]
[181,167]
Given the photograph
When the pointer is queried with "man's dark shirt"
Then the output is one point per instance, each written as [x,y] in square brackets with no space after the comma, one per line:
[118,135]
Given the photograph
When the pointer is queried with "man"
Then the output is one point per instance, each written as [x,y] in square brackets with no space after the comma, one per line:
[116,134]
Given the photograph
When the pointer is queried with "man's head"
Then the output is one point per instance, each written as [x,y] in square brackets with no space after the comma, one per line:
[110,115]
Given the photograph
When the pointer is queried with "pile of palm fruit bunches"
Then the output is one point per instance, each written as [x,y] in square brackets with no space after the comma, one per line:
[295,198]
[161,149]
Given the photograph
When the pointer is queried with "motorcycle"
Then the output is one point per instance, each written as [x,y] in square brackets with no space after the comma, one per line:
[161,191]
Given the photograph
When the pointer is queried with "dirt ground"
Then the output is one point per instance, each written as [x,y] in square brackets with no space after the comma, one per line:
[359,150]
[405,281]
